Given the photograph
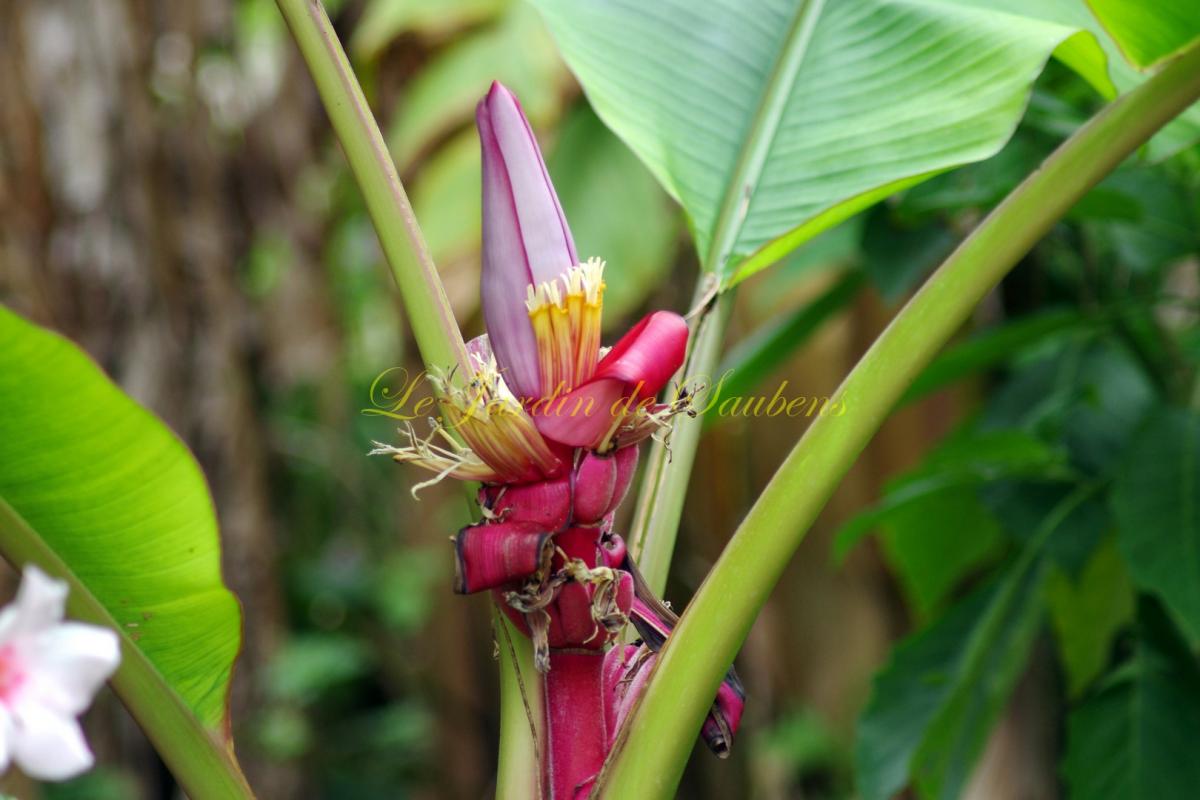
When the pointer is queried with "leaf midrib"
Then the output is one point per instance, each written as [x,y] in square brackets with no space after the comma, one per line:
[764,124]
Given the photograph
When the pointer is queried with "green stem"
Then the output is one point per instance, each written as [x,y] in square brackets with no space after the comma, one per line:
[429,311]
[655,522]
[201,760]
[659,735]
[518,776]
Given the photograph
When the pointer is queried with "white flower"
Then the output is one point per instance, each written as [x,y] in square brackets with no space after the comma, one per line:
[49,672]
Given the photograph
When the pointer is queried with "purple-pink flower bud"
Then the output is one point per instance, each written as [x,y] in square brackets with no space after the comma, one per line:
[525,235]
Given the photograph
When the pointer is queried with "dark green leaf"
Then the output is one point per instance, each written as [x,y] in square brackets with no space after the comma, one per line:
[1156,502]
[1022,505]
[933,705]
[1135,739]
[994,347]
[1087,613]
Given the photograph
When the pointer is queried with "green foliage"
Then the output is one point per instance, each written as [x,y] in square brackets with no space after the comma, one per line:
[386,20]
[96,490]
[933,705]
[1088,361]
[1087,612]
[994,347]
[1156,501]
[120,502]
[1119,78]
[1148,33]
[1134,737]
[935,527]
[615,208]
[514,49]
[795,152]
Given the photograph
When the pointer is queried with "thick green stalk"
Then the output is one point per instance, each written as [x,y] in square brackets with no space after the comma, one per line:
[655,522]
[201,761]
[429,311]
[518,776]
[434,327]
[659,736]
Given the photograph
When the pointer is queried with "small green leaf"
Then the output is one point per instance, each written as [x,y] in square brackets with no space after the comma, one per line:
[1156,501]
[934,541]
[1088,612]
[1135,738]
[1147,33]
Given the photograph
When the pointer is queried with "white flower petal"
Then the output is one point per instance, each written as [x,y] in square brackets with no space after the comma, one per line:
[39,603]
[6,736]
[69,663]
[47,745]
[8,622]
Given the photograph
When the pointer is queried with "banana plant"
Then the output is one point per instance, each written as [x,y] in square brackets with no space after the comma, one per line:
[768,122]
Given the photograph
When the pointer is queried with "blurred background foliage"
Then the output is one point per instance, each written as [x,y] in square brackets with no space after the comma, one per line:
[171,197]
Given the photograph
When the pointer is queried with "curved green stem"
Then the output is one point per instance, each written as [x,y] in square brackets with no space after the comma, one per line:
[201,762]
[429,312]
[659,735]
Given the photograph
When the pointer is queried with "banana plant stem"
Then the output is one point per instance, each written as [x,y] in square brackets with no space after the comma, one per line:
[654,745]
[655,524]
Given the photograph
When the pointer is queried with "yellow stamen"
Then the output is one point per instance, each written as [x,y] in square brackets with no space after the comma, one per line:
[567,327]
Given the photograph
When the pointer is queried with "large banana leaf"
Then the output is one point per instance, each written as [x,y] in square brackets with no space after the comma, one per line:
[1148,33]
[99,492]
[1120,77]
[771,120]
